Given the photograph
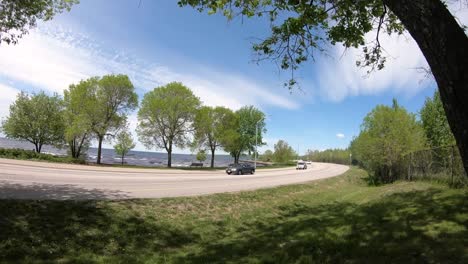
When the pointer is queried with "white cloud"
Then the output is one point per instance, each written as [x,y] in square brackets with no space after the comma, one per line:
[53,59]
[8,96]
[341,78]
[223,89]
[340,135]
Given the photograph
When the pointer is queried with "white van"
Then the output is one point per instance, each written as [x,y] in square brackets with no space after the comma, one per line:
[301,165]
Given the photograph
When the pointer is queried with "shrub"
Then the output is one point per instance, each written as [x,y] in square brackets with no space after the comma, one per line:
[32,155]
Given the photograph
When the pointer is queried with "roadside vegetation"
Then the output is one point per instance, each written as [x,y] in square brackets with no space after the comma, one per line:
[22,154]
[396,144]
[340,219]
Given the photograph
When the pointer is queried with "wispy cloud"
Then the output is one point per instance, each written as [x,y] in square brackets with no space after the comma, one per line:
[339,78]
[340,135]
[8,96]
[51,59]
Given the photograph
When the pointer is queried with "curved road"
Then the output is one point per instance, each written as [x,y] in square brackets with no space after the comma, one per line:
[37,180]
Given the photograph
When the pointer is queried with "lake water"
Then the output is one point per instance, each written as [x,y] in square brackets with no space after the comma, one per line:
[141,158]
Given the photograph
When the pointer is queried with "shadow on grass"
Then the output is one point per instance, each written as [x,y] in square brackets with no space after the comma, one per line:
[404,228]
[80,232]
[55,192]
[416,227]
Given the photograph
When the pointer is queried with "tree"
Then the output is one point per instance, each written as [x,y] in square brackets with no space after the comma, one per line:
[300,28]
[267,156]
[35,118]
[79,100]
[124,144]
[111,97]
[283,152]
[212,126]
[201,156]
[387,133]
[18,16]
[166,116]
[435,123]
[250,127]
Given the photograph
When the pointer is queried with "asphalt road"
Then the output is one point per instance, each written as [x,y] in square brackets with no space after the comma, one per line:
[37,180]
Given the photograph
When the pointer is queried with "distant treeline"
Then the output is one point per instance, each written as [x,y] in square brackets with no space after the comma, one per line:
[339,156]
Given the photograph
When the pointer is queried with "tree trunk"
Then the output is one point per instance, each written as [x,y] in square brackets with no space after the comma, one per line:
[100,138]
[122,159]
[71,143]
[37,147]
[78,151]
[236,157]
[169,156]
[444,44]
[212,157]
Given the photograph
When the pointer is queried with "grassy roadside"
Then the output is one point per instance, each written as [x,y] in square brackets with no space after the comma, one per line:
[333,220]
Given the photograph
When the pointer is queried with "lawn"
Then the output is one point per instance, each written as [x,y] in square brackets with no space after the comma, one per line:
[334,220]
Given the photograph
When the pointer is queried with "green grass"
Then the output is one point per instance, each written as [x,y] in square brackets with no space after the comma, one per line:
[334,220]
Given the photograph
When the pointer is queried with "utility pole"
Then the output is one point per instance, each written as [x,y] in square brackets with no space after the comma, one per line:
[256,135]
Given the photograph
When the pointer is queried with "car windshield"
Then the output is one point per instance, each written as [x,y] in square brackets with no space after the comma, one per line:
[300,163]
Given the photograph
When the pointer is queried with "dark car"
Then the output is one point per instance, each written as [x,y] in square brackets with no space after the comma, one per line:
[240,169]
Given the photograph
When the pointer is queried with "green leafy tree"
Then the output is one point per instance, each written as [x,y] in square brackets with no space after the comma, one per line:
[166,117]
[250,128]
[201,155]
[111,98]
[79,99]
[18,16]
[267,156]
[124,144]
[300,29]
[212,127]
[387,133]
[283,152]
[435,122]
[35,118]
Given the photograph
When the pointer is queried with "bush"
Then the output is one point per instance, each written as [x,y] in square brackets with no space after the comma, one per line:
[22,154]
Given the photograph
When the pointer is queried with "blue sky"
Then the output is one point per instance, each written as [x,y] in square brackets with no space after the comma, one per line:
[159,42]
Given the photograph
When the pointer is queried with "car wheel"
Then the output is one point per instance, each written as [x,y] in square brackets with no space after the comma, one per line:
[252,171]
[228,173]
[240,172]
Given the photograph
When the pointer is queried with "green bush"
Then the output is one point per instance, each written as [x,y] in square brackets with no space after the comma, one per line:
[32,155]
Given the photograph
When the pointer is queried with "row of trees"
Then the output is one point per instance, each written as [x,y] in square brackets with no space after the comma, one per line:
[96,109]
[93,109]
[172,115]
